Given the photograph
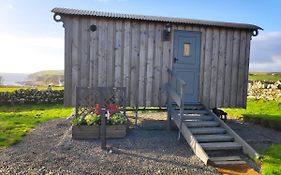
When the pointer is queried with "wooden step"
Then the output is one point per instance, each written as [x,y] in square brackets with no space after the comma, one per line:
[221,146]
[195,111]
[195,118]
[230,162]
[226,158]
[214,138]
[209,130]
[193,106]
[201,123]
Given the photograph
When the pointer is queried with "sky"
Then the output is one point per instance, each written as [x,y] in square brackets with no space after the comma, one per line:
[30,40]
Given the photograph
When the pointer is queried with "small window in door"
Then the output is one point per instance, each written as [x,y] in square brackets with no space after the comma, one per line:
[186,49]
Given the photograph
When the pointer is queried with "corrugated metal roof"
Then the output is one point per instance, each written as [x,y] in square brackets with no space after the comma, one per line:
[67,11]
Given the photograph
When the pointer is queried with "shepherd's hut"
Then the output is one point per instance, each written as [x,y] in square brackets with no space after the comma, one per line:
[136,51]
[164,61]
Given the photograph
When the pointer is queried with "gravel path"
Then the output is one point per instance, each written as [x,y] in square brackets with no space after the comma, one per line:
[50,150]
[148,149]
[257,136]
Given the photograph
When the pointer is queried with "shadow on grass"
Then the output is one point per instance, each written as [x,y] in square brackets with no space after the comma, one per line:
[270,121]
[29,107]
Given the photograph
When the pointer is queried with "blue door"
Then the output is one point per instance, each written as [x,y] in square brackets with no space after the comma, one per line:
[186,62]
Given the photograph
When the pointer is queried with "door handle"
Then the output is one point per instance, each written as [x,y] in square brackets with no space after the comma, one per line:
[175,59]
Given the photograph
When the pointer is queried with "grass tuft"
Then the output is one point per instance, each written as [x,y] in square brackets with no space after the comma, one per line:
[271,164]
[17,121]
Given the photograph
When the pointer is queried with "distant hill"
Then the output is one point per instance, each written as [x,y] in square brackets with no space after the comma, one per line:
[41,78]
[46,77]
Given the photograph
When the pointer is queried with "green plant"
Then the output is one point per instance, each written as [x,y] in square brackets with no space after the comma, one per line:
[92,119]
[78,121]
[117,119]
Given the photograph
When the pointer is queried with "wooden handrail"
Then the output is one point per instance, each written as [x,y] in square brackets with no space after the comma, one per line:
[181,81]
[174,95]
[178,97]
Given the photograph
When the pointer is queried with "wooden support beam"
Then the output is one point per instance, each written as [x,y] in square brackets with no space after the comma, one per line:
[136,115]
[103,130]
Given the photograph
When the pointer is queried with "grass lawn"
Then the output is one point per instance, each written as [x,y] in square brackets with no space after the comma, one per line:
[271,164]
[14,88]
[268,112]
[265,76]
[17,121]
[257,109]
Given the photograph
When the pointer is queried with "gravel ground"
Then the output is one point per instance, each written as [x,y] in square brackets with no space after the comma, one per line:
[49,149]
[257,136]
[147,149]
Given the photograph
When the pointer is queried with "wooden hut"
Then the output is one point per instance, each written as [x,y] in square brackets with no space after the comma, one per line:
[136,52]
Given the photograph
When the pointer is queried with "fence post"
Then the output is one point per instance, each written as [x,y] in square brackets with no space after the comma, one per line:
[136,115]
[76,101]
[103,129]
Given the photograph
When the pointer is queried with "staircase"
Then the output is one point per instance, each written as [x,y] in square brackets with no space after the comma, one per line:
[210,138]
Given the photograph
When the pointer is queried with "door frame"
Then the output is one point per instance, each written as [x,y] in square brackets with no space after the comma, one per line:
[199,56]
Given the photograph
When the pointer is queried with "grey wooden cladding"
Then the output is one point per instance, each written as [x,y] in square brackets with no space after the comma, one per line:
[221,67]
[224,68]
[134,69]
[133,54]
[68,61]
[150,56]
[142,62]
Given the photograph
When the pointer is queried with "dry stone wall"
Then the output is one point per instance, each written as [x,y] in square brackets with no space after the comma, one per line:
[32,96]
[264,90]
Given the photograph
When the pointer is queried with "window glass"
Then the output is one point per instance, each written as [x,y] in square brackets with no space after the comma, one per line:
[186,49]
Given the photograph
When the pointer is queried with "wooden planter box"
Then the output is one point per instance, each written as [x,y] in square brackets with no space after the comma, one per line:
[85,132]
[116,131]
[93,132]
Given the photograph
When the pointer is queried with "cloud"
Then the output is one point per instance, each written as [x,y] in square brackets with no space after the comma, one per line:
[266,52]
[8,6]
[30,54]
[273,66]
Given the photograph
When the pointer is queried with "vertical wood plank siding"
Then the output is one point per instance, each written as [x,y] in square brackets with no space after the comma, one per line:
[149,65]
[246,71]
[142,64]
[207,67]
[135,64]
[221,67]
[214,67]
[68,61]
[133,54]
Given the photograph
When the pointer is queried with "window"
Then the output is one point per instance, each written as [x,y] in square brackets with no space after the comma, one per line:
[186,49]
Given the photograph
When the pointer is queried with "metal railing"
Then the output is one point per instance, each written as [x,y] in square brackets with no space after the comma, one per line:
[176,89]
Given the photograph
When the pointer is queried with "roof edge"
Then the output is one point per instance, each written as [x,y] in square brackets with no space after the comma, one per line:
[77,12]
